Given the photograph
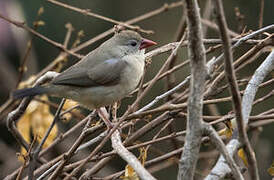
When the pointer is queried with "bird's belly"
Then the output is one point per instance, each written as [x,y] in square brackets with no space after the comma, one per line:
[102,96]
[95,97]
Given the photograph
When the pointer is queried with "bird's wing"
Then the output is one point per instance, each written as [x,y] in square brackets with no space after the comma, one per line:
[103,74]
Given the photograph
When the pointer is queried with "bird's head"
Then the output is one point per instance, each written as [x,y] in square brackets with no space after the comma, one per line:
[130,42]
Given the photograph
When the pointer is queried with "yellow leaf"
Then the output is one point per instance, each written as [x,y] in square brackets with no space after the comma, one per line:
[41,121]
[61,61]
[39,23]
[69,104]
[271,169]
[143,155]
[227,131]
[81,33]
[242,155]
[37,119]
[23,69]
[41,10]
[96,123]
[21,156]
[23,126]
[130,173]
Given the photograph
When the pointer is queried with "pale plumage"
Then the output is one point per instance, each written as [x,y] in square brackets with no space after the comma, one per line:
[105,75]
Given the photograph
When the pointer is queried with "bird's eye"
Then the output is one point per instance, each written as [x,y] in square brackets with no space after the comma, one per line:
[133,43]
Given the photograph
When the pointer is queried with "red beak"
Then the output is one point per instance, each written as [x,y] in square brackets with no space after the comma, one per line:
[146,43]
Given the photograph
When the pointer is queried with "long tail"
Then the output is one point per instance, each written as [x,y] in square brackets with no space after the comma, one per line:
[21,93]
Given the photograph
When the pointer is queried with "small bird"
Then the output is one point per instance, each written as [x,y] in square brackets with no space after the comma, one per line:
[102,77]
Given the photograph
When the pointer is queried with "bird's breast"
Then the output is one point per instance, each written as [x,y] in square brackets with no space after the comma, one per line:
[132,74]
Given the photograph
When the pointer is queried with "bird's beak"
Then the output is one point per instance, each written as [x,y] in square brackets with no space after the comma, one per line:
[146,43]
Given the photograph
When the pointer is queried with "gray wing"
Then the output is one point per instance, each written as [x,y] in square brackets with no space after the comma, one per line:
[104,74]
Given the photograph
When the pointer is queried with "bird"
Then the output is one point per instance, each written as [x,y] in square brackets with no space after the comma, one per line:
[104,76]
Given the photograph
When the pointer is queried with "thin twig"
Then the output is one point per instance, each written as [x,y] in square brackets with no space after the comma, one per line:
[56,161]
[215,27]
[22,67]
[206,15]
[170,78]
[162,96]
[19,111]
[35,155]
[26,159]
[214,137]
[221,168]
[142,17]
[55,44]
[251,55]
[87,12]
[67,156]
[128,156]
[159,132]
[261,15]
[231,77]
[69,28]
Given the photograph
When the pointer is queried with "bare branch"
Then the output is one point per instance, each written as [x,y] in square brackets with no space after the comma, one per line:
[221,168]
[265,68]
[215,27]
[151,126]
[87,12]
[67,156]
[35,154]
[234,90]
[142,17]
[214,137]
[56,44]
[17,113]
[261,15]
[189,157]
[129,157]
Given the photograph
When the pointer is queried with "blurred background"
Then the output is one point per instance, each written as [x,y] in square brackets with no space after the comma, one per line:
[14,41]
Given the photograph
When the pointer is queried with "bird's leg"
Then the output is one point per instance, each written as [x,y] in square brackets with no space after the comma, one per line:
[105,116]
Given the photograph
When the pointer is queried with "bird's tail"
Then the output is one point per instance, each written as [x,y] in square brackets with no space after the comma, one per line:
[21,93]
